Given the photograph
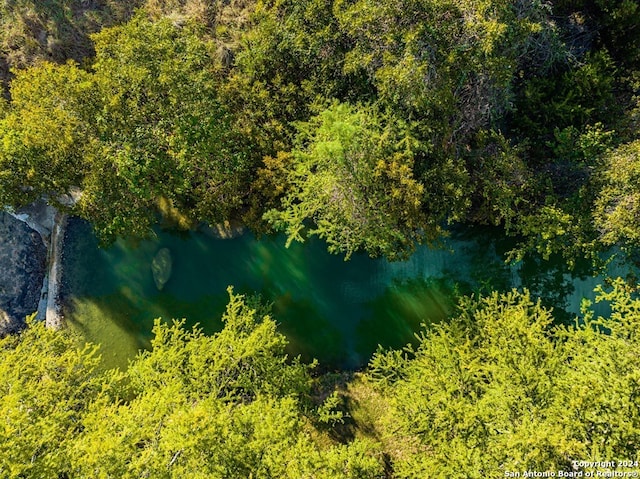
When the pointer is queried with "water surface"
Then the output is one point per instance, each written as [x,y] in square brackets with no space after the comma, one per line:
[335,311]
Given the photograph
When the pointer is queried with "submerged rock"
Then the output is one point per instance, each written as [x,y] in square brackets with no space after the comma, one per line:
[23,258]
[161,267]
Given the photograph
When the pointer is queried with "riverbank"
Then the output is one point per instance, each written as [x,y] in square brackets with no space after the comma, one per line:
[49,224]
[53,316]
[40,217]
[23,264]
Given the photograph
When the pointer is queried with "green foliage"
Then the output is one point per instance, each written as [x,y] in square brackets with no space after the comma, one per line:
[581,149]
[46,385]
[143,127]
[488,111]
[500,389]
[44,133]
[352,175]
[573,98]
[600,386]
[229,405]
[161,435]
[570,186]
[162,131]
[560,228]
[618,205]
[483,111]
[447,63]
[246,359]
[219,406]
[502,182]
[288,56]
[329,412]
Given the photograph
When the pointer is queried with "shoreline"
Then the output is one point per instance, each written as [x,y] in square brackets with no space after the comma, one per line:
[50,224]
[53,316]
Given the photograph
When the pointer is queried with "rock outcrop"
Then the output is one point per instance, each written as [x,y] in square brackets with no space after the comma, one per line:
[39,216]
[23,261]
[53,316]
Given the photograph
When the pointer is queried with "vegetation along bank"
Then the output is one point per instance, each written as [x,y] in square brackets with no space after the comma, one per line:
[373,126]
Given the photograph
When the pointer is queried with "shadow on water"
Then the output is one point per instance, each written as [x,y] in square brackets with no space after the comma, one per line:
[122,322]
[549,281]
[563,289]
[394,317]
[331,310]
[308,331]
[556,285]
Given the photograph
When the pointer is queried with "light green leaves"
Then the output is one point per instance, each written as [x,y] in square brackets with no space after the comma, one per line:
[500,388]
[617,208]
[222,406]
[47,385]
[351,183]
[43,134]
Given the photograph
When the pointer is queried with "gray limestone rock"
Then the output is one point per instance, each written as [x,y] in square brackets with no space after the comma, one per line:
[23,258]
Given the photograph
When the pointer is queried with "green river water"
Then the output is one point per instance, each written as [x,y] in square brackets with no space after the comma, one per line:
[335,311]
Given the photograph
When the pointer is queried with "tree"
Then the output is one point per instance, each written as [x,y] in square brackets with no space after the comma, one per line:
[617,207]
[446,63]
[142,128]
[352,176]
[161,131]
[227,405]
[243,361]
[286,57]
[500,388]
[47,384]
[45,131]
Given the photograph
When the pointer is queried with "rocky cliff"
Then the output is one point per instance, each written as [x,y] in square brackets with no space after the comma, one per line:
[23,258]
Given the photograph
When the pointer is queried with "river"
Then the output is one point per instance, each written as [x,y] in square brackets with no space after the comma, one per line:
[335,311]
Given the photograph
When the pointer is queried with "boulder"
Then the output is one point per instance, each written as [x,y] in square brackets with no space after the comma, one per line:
[23,259]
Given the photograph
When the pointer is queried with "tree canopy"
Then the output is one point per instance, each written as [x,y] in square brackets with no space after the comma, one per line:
[352,177]
[499,387]
[488,112]
[227,405]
